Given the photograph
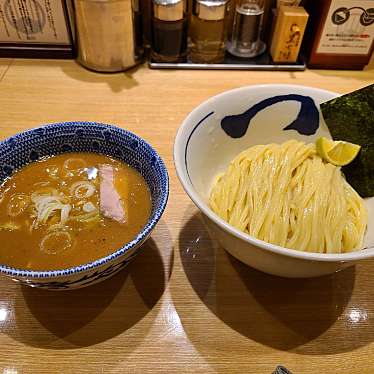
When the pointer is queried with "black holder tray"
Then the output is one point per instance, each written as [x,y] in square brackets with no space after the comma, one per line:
[262,62]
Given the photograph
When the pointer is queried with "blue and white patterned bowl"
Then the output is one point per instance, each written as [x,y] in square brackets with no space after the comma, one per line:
[29,146]
[223,126]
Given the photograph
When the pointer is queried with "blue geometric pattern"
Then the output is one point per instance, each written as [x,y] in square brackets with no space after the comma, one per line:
[306,122]
[49,140]
[85,280]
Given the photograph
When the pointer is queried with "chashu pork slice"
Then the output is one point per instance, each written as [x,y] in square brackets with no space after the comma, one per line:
[111,205]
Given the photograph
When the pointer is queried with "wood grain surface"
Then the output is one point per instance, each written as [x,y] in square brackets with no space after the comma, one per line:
[184,305]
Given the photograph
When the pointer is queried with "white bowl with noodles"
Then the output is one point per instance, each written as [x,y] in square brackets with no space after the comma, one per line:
[215,132]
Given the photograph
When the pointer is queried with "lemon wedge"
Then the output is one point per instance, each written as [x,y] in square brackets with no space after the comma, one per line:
[338,153]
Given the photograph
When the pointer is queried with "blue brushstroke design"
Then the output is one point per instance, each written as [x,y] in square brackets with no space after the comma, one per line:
[188,141]
[306,122]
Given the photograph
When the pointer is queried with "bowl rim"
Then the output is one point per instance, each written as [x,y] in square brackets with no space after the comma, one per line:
[200,203]
[140,237]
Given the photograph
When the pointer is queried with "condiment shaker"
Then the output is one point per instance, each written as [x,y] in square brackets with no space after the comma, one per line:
[245,37]
[208,31]
[169,31]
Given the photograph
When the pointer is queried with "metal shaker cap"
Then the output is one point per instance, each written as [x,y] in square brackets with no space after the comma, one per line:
[210,10]
[168,10]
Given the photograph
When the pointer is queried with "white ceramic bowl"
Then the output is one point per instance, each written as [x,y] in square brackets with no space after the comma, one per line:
[204,147]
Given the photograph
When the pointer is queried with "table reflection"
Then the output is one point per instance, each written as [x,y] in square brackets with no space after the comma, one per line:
[3,314]
[325,315]
[357,315]
[10,371]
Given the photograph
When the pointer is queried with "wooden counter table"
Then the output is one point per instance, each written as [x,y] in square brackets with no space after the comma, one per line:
[184,305]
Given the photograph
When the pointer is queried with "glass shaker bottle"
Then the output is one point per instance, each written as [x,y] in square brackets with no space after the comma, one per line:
[245,38]
[169,31]
[208,31]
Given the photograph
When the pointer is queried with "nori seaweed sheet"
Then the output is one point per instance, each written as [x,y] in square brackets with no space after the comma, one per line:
[351,118]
